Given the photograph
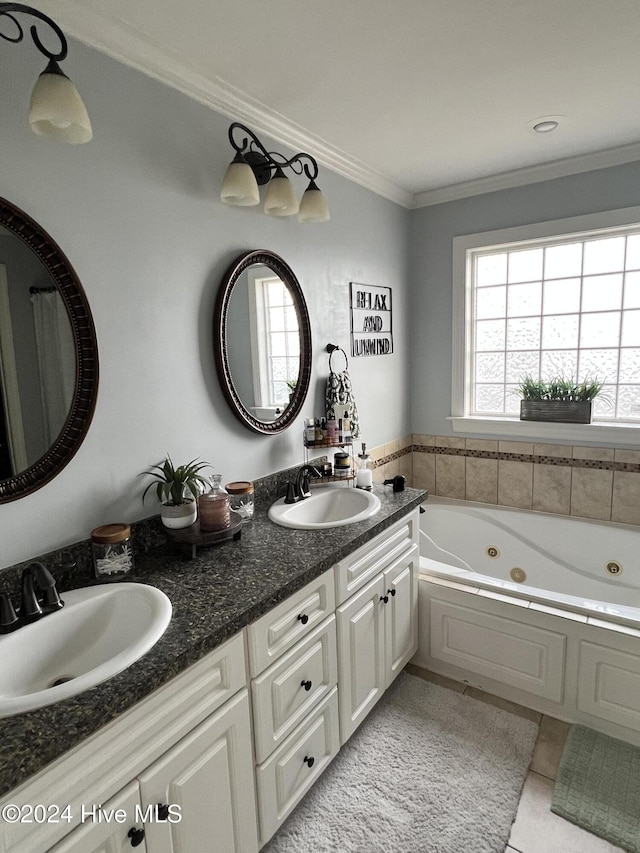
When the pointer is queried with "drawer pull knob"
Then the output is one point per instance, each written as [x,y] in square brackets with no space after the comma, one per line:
[162,811]
[308,760]
[303,618]
[306,685]
[384,598]
[136,835]
[391,592]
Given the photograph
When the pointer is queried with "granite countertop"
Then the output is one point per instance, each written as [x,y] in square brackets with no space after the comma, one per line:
[214,595]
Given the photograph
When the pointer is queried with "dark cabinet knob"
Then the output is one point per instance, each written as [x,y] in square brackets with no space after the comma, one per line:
[391,592]
[303,618]
[306,684]
[136,835]
[308,760]
[162,811]
[384,598]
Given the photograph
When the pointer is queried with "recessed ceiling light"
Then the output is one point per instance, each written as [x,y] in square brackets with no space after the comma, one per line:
[545,124]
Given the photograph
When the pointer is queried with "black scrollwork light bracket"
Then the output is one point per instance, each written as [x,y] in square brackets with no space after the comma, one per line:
[6,10]
[265,163]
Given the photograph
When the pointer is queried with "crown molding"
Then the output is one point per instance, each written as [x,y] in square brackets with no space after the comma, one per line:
[131,47]
[531,175]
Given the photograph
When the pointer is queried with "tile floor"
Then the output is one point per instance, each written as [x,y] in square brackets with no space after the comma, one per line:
[536,829]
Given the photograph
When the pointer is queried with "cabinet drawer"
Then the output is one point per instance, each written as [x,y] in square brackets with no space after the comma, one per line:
[281,628]
[359,568]
[285,693]
[284,778]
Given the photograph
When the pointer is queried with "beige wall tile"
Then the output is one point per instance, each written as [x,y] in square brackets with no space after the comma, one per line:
[482,480]
[515,483]
[405,441]
[449,441]
[564,451]
[552,488]
[392,447]
[450,476]
[424,440]
[591,490]
[376,452]
[515,447]
[625,505]
[632,456]
[424,471]
[404,466]
[604,454]
[482,444]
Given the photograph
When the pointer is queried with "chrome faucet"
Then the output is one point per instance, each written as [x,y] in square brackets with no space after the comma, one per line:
[37,575]
[300,490]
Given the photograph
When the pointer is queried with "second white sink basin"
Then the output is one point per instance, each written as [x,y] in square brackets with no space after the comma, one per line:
[100,631]
[329,506]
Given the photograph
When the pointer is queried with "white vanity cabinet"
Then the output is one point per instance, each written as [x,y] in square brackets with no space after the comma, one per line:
[188,745]
[292,658]
[377,619]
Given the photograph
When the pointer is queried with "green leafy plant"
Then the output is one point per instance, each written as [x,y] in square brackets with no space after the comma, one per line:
[559,389]
[292,384]
[176,485]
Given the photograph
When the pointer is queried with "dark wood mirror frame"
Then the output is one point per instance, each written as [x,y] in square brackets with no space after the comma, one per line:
[286,274]
[86,385]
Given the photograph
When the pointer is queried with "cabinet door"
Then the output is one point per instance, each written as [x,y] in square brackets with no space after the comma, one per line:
[361,658]
[401,613]
[207,781]
[107,832]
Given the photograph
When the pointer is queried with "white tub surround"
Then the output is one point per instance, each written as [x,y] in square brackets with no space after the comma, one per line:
[565,640]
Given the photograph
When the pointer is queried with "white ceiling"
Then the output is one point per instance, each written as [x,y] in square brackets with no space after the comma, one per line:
[420,100]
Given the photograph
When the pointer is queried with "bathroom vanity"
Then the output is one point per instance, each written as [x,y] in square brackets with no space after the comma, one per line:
[278,648]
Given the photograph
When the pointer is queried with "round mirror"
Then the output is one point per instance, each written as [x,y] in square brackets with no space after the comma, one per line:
[262,341]
[48,357]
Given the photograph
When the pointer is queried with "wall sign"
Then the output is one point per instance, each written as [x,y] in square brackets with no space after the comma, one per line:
[371,332]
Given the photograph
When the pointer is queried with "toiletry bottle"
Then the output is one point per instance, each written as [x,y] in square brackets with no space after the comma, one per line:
[318,432]
[364,476]
[213,507]
[346,427]
[309,432]
[332,431]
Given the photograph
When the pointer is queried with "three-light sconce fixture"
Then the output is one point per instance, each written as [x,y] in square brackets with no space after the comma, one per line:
[253,166]
[56,109]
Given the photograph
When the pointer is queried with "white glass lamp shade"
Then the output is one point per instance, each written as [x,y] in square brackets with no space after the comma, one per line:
[56,109]
[281,199]
[239,186]
[313,205]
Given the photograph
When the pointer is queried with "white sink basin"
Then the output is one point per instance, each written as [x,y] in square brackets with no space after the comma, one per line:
[329,506]
[100,631]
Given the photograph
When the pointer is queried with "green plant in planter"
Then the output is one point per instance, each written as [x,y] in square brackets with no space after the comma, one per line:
[177,486]
[559,389]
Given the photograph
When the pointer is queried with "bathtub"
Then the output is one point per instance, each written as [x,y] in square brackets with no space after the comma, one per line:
[543,610]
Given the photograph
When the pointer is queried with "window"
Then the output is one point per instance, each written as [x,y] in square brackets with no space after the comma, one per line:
[551,301]
[275,339]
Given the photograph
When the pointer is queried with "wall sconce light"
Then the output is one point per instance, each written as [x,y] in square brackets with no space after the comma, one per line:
[56,109]
[253,166]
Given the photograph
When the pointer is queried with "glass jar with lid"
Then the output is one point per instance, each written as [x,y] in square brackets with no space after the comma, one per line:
[241,498]
[112,551]
[213,507]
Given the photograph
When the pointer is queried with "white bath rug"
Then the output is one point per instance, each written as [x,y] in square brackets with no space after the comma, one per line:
[429,771]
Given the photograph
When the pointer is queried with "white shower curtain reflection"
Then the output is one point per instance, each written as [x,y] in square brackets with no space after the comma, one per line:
[56,359]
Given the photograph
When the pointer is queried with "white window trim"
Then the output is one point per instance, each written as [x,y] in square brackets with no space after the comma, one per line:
[616,434]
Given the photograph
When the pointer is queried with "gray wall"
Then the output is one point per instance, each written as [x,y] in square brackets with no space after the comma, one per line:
[137,212]
[432,230]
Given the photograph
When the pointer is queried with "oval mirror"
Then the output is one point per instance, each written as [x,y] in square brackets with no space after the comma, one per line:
[48,357]
[262,341]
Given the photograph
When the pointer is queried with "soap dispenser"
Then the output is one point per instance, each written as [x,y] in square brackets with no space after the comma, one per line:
[364,475]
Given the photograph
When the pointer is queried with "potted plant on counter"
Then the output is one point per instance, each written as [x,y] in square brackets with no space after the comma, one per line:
[558,400]
[177,490]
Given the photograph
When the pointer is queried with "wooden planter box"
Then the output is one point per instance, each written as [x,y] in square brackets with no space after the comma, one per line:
[556,411]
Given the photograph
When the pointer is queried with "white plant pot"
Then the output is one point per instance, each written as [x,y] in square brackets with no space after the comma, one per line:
[176,517]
